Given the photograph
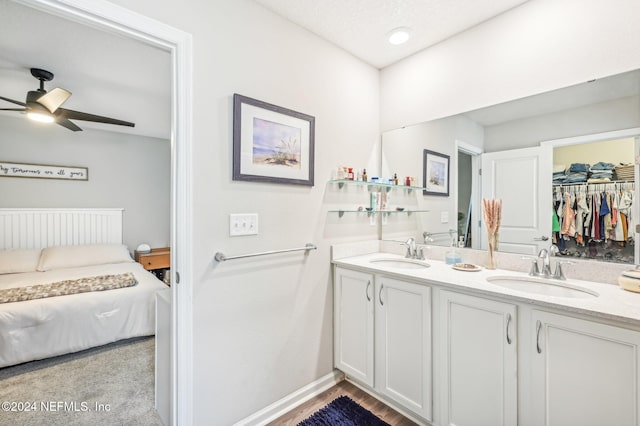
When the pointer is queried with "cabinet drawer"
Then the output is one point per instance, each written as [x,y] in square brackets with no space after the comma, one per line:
[157,260]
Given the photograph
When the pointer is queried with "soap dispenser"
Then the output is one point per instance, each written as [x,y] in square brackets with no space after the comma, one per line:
[453,256]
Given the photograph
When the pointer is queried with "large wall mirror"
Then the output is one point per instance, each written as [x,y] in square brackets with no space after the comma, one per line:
[528,152]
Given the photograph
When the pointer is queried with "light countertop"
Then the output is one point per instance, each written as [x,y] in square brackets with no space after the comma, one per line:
[612,303]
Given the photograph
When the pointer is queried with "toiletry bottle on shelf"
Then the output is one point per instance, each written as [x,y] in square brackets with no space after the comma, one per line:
[350,173]
[340,173]
[395,178]
[407,181]
[364,175]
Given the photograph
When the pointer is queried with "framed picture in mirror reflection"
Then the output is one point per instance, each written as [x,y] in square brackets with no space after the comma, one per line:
[435,173]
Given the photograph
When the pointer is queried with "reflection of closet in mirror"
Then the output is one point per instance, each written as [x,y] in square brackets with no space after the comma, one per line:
[594,186]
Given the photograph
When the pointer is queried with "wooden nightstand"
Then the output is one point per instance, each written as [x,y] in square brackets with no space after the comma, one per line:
[158,258]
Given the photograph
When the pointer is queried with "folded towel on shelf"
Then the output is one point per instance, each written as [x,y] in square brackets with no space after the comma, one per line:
[624,172]
[598,180]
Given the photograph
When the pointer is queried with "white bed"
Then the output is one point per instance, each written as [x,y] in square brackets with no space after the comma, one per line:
[41,328]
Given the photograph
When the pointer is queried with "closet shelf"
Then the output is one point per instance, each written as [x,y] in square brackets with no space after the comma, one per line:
[558,185]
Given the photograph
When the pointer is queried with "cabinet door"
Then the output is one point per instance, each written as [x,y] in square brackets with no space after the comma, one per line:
[584,373]
[479,361]
[403,344]
[353,321]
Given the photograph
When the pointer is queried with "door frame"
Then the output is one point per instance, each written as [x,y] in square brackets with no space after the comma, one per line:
[633,132]
[476,188]
[115,19]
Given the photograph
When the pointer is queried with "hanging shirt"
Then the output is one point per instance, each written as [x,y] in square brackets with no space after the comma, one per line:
[568,219]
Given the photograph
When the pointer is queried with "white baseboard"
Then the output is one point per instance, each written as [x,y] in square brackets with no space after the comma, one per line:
[292,400]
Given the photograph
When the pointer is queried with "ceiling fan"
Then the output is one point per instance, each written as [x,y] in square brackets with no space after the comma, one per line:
[44,106]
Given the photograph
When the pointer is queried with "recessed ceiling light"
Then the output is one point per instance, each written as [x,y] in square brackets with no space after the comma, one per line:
[399,35]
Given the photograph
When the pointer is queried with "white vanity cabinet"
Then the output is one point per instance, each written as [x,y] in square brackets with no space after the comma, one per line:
[583,372]
[353,322]
[403,344]
[397,316]
[478,375]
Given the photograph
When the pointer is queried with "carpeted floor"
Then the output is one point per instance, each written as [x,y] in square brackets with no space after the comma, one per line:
[109,385]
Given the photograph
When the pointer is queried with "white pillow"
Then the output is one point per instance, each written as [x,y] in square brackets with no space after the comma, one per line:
[87,255]
[20,260]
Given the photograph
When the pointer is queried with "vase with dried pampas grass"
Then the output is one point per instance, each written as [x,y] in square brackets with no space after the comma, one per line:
[492,211]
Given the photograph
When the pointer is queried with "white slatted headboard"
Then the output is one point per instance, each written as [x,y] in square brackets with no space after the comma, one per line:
[40,228]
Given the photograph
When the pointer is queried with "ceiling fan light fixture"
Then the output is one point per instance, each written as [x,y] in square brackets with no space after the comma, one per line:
[40,117]
[399,35]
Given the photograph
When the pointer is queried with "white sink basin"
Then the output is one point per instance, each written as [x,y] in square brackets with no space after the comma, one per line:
[543,286]
[401,263]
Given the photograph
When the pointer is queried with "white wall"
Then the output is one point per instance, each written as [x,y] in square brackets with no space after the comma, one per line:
[613,151]
[539,46]
[263,326]
[125,171]
[623,113]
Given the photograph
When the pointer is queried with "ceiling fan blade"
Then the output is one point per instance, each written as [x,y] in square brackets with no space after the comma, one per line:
[54,98]
[77,115]
[68,124]
[13,109]
[12,101]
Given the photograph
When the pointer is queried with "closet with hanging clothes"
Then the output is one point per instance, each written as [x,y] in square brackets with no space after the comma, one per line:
[593,191]
[594,220]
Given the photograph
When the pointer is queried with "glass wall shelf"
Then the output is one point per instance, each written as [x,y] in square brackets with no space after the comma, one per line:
[388,186]
[373,212]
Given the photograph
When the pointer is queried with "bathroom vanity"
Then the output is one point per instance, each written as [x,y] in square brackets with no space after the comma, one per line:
[487,347]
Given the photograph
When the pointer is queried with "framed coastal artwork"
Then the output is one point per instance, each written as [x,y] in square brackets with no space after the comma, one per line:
[271,143]
[435,176]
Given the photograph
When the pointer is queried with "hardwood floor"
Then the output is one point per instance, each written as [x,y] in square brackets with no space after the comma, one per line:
[378,408]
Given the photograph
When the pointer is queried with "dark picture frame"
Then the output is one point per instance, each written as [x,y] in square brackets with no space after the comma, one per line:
[271,143]
[435,173]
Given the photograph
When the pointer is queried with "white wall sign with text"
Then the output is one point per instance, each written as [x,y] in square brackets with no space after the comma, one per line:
[43,171]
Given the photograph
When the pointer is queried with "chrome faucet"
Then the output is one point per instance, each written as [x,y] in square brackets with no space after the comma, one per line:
[411,248]
[546,262]
[545,255]
[413,251]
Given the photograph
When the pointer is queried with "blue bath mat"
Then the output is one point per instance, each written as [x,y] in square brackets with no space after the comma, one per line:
[343,411]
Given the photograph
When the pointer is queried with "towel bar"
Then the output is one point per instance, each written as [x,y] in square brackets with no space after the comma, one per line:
[220,257]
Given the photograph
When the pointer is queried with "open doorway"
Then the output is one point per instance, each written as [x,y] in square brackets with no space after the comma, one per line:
[176,44]
[468,202]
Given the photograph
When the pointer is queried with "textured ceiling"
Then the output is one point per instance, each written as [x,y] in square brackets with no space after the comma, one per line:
[361,26]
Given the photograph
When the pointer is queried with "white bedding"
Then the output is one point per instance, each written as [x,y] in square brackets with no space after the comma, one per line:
[42,328]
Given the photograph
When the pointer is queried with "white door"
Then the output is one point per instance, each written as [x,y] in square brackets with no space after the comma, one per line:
[353,335]
[403,343]
[479,361]
[522,179]
[584,373]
